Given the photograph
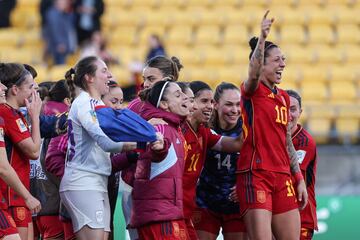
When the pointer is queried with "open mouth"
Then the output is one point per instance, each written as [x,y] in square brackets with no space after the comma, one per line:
[279,74]
[207,114]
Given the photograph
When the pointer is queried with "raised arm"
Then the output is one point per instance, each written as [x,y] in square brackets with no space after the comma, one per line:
[257,59]
[295,170]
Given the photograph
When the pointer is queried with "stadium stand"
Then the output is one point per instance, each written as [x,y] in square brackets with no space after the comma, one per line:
[320,38]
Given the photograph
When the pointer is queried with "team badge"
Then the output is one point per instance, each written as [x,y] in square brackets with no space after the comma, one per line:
[21,125]
[93,116]
[176,229]
[271,95]
[20,213]
[99,216]
[183,234]
[196,218]
[261,196]
[1,134]
[301,155]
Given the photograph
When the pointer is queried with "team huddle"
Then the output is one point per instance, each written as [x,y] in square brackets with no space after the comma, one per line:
[235,159]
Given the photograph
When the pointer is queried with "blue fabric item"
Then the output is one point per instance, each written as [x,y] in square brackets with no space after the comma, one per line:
[124,125]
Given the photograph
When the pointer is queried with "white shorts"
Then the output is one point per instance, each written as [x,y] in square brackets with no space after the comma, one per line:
[87,207]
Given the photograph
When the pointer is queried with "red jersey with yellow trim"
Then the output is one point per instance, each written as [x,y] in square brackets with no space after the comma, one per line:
[3,201]
[305,147]
[16,130]
[265,117]
[197,144]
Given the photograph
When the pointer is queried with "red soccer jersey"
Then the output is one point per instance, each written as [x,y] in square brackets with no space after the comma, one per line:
[306,150]
[265,117]
[3,202]
[197,145]
[16,130]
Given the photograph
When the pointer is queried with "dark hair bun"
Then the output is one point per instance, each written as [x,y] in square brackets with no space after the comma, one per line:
[177,62]
[253,42]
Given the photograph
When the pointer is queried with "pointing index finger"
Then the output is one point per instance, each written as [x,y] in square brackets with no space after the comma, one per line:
[265,16]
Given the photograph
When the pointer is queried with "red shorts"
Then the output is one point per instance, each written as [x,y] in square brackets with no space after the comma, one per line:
[7,224]
[306,234]
[209,221]
[68,230]
[49,227]
[169,230]
[21,216]
[259,189]
[191,229]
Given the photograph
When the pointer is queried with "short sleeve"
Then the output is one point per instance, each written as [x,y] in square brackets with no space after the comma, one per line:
[16,128]
[212,137]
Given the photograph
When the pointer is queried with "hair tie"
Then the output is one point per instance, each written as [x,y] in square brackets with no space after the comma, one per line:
[161,93]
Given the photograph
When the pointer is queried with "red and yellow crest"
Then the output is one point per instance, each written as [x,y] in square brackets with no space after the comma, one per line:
[261,196]
[20,213]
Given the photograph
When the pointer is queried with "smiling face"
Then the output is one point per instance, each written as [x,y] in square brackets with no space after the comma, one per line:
[114,98]
[274,66]
[101,78]
[3,88]
[295,112]
[204,105]
[151,76]
[175,100]
[228,108]
[24,90]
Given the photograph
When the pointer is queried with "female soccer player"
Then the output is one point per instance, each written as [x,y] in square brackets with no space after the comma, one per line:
[156,69]
[216,208]
[8,229]
[305,147]
[157,210]
[199,138]
[22,145]
[268,158]
[88,163]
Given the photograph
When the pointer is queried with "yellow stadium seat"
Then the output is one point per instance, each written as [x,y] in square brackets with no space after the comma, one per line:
[285,15]
[246,16]
[118,3]
[321,111]
[319,73]
[123,36]
[348,34]
[214,57]
[236,55]
[185,17]
[121,75]
[207,35]
[236,34]
[320,129]
[352,53]
[321,34]
[133,55]
[22,55]
[318,16]
[291,73]
[213,17]
[342,91]
[179,35]
[274,4]
[42,73]
[293,34]
[347,15]
[324,54]
[315,3]
[314,91]
[346,73]
[297,54]
[201,3]
[58,72]
[10,37]
[147,4]
[347,3]
[230,3]
[351,110]
[32,39]
[348,129]
[235,75]
[188,56]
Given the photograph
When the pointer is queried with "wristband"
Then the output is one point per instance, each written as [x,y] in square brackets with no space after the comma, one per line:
[298,177]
